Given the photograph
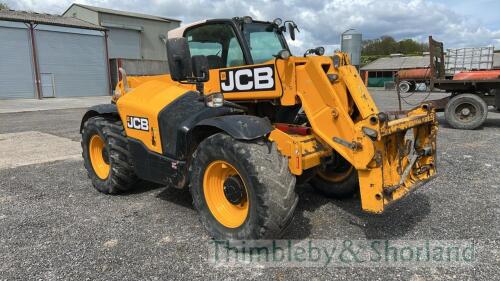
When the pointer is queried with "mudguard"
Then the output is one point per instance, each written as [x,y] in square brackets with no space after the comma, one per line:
[240,127]
[187,116]
[101,109]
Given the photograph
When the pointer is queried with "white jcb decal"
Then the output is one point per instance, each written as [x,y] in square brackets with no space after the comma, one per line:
[138,123]
[258,78]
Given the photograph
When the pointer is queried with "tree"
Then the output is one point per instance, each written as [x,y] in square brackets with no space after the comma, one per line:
[4,6]
[387,45]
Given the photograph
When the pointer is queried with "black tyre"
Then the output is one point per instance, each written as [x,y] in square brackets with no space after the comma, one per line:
[106,156]
[242,189]
[413,86]
[466,111]
[338,179]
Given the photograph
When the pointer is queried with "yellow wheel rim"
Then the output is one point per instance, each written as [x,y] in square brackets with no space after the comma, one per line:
[96,151]
[215,189]
[335,176]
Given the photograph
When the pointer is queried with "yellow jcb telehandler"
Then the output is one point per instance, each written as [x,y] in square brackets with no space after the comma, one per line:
[239,121]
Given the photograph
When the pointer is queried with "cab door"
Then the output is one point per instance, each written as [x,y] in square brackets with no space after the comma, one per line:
[219,43]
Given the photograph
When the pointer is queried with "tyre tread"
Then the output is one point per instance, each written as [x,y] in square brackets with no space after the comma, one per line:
[122,177]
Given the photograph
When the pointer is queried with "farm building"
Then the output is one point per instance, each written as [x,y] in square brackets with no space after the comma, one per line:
[51,56]
[376,73]
[136,42]
[130,35]
[78,53]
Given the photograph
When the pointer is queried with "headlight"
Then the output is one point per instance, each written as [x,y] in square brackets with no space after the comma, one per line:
[214,100]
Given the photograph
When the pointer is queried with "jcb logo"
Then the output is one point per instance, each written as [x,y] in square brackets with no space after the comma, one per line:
[257,78]
[138,123]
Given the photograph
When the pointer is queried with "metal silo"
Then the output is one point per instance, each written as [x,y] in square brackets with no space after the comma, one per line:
[351,44]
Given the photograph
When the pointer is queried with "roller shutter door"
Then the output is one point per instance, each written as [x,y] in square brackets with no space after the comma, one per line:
[76,62]
[16,71]
[124,43]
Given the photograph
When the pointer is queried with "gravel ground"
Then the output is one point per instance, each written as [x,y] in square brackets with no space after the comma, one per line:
[54,225]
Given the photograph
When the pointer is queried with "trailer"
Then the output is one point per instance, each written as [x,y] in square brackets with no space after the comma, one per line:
[471,92]
[477,60]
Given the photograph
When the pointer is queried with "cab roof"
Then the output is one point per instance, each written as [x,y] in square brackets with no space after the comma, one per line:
[179,32]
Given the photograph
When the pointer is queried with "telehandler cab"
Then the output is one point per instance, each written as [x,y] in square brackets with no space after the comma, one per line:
[240,121]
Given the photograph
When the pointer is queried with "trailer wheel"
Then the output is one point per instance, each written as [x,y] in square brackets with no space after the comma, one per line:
[242,189]
[466,111]
[404,86]
[105,155]
[338,179]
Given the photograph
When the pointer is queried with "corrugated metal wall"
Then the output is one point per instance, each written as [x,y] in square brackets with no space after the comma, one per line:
[16,72]
[75,58]
[124,43]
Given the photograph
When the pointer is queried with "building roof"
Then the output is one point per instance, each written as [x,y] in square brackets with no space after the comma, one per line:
[398,62]
[122,13]
[36,18]
[402,62]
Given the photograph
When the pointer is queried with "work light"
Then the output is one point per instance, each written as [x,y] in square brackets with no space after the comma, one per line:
[277,21]
[214,100]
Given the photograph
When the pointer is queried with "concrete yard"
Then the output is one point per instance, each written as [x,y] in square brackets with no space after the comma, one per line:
[54,225]
[26,105]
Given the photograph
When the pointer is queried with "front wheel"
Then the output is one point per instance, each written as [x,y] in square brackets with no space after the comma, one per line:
[337,179]
[242,189]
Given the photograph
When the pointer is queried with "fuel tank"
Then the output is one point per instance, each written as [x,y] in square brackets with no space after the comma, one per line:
[416,73]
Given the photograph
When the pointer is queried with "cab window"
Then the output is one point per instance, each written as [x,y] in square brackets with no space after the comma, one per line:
[234,54]
[218,43]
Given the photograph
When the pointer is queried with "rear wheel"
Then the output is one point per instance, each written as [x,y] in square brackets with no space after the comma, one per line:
[466,111]
[105,155]
[242,190]
[337,179]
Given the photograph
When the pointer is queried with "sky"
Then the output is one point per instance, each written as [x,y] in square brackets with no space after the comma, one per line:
[458,23]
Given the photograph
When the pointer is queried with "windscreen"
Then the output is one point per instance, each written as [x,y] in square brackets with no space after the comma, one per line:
[263,40]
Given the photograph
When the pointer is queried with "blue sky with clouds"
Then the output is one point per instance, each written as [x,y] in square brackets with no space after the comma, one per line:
[459,23]
[485,11]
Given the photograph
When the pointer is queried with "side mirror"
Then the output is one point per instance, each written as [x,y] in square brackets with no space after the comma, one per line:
[200,68]
[179,59]
[291,29]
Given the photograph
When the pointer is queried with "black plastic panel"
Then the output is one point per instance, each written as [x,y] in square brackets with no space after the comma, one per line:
[179,117]
[155,167]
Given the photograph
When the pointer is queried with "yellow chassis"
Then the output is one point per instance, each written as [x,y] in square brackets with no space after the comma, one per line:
[342,115]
